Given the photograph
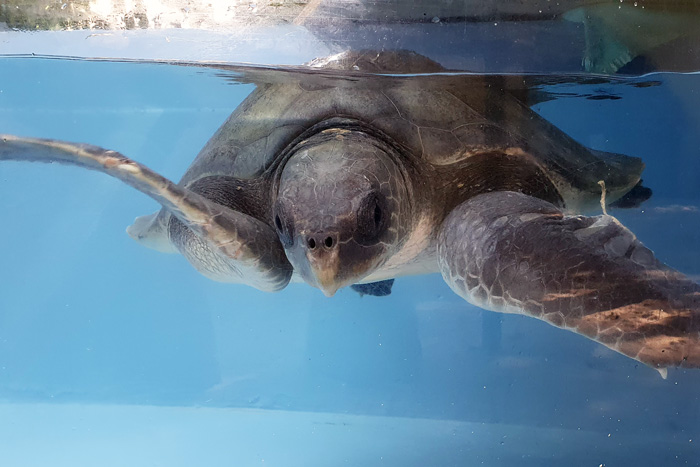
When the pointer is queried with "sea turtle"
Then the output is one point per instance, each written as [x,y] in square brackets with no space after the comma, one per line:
[336,184]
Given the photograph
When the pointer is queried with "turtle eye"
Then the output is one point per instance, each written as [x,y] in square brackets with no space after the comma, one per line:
[377,216]
[284,229]
[278,223]
[371,219]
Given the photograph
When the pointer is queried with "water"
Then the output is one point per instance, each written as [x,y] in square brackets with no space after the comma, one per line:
[113,354]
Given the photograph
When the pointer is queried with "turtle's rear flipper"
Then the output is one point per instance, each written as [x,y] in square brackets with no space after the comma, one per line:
[231,246]
[510,252]
[616,33]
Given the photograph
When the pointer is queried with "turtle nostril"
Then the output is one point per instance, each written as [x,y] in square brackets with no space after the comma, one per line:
[328,242]
[312,243]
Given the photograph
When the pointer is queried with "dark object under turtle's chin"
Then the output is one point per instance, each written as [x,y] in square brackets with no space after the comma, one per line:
[375,289]
[633,198]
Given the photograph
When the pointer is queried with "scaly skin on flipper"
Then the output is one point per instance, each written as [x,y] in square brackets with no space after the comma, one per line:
[247,249]
[510,252]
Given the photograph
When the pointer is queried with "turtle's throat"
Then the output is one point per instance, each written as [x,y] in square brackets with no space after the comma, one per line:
[324,269]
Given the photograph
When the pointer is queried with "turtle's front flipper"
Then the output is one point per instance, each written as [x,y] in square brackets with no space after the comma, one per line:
[510,252]
[245,249]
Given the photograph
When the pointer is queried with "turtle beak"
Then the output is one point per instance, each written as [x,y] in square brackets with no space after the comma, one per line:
[324,268]
[324,264]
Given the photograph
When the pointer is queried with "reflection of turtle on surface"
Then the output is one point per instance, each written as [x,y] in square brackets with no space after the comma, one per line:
[344,185]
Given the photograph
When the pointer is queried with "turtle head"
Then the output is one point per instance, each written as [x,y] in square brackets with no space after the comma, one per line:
[341,201]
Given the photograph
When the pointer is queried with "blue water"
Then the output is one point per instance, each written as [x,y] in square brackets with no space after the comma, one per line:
[113,354]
